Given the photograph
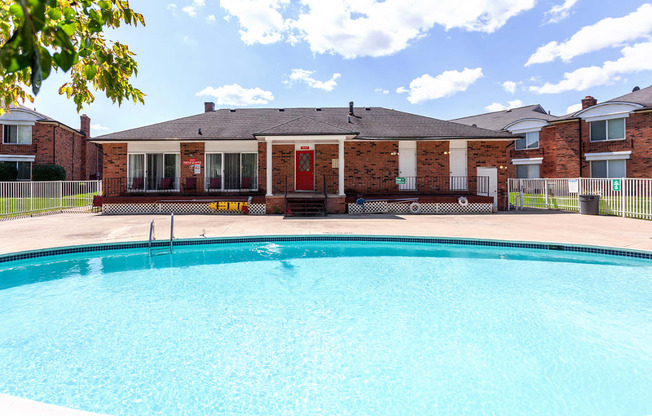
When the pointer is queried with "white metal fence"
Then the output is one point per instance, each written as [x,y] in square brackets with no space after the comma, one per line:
[624,197]
[21,199]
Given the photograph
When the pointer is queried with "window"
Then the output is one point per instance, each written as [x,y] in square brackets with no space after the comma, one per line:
[608,169]
[613,129]
[231,171]
[153,171]
[17,134]
[527,171]
[530,141]
[24,170]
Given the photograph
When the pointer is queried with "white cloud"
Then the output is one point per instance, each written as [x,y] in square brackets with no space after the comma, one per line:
[236,95]
[445,84]
[210,18]
[635,58]
[172,8]
[500,107]
[559,12]
[606,33]
[353,28]
[192,9]
[305,76]
[381,91]
[509,86]
[574,108]
[402,90]
[189,40]
[98,127]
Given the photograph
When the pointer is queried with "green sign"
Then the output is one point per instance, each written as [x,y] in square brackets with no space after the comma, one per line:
[615,184]
[400,181]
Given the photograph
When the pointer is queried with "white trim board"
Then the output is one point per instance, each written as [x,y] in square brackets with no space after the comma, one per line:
[530,161]
[608,155]
[17,158]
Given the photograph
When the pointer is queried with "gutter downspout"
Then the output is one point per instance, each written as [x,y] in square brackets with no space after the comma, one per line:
[73,155]
[54,145]
[580,132]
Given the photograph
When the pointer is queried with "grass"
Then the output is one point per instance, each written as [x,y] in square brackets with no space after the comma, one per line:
[607,205]
[14,207]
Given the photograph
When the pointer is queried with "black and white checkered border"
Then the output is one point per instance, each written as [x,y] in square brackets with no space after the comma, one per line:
[174,208]
[383,207]
[344,238]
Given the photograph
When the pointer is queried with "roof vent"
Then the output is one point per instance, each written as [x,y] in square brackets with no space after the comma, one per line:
[317,109]
[281,109]
[199,132]
[474,125]
[232,110]
[351,107]
[636,88]
[509,110]
[367,109]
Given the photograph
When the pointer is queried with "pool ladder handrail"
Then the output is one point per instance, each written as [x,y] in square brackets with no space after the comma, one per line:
[152,234]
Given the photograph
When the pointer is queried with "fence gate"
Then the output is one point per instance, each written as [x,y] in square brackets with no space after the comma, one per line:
[626,197]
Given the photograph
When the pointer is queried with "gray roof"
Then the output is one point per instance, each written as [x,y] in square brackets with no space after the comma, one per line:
[642,97]
[498,120]
[244,123]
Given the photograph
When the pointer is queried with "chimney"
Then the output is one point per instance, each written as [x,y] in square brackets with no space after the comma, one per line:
[588,101]
[85,125]
[209,107]
[351,108]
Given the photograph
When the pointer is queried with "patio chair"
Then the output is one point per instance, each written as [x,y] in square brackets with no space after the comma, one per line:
[137,183]
[246,183]
[191,183]
[215,183]
[166,183]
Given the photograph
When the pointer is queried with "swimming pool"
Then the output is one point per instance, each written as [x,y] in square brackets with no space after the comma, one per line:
[337,325]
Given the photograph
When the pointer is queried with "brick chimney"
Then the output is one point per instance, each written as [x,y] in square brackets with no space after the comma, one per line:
[85,125]
[588,101]
[209,107]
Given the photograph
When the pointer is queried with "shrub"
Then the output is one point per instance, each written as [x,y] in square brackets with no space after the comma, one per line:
[49,173]
[8,172]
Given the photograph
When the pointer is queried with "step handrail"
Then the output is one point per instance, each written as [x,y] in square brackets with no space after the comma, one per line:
[171,230]
[151,236]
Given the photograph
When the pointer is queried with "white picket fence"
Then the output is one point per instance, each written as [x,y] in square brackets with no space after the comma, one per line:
[25,199]
[626,197]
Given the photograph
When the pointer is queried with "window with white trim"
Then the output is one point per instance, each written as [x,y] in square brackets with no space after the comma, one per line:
[16,134]
[153,171]
[530,141]
[24,170]
[231,171]
[527,171]
[609,168]
[613,129]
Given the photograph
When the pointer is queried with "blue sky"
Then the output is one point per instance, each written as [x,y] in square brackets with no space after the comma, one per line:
[440,58]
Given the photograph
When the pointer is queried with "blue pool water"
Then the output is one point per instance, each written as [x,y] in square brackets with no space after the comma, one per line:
[347,328]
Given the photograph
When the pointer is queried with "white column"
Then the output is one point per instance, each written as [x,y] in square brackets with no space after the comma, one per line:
[341,167]
[268,170]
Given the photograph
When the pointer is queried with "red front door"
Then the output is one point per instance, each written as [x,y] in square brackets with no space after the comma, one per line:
[305,170]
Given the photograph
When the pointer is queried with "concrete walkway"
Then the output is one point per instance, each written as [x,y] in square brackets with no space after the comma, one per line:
[537,225]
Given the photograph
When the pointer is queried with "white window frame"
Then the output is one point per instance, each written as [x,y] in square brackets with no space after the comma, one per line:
[608,161]
[222,181]
[528,166]
[606,126]
[31,166]
[526,141]
[178,168]
[18,126]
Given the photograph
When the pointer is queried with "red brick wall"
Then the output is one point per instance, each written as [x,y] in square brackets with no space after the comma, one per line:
[639,129]
[324,155]
[262,167]
[369,165]
[191,150]
[282,165]
[489,154]
[115,168]
[433,166]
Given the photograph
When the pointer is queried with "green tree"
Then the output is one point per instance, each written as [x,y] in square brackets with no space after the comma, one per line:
[39,36]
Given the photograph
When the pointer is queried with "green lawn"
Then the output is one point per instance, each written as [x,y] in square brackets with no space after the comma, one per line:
[608,205]
[11,207]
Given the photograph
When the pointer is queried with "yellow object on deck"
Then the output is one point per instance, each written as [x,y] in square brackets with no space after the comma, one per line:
[228,206]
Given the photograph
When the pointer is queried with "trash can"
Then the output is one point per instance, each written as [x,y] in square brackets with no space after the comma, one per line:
[589,204]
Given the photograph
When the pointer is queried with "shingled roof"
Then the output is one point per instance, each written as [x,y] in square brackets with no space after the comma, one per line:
[245,123]
[498,120]
[642,97]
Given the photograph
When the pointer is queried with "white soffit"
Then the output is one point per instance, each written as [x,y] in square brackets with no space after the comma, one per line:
[608,155]
[530,161]
[526,126]
[606,111]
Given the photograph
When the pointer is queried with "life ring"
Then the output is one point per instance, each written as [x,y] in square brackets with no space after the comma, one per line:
[463,201]
[415,208]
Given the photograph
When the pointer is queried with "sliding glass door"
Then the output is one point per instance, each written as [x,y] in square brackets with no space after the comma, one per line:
[231,171]
[153,171]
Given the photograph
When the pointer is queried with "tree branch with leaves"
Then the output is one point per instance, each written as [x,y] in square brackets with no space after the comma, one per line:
[39,36]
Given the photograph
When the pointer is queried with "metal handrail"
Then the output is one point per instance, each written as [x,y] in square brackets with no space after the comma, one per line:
[171,230]
[285,210]
[151,236]
[325,197]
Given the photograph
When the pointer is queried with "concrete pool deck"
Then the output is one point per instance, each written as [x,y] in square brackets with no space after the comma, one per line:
[536,225]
